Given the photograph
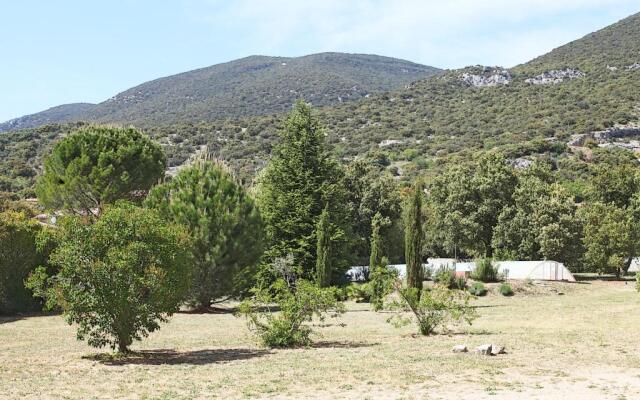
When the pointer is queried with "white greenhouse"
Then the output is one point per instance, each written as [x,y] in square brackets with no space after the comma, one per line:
[539,270]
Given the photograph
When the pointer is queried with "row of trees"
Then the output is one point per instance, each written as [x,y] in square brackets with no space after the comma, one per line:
[488,208]
[132,246]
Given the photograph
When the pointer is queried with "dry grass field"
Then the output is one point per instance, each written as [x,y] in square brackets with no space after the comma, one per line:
[583,344]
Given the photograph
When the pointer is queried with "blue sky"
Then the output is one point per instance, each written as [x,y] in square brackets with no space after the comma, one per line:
[63,51]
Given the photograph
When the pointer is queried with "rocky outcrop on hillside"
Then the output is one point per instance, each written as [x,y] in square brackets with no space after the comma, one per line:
[617,132]
[610,137]
[390,142]
[521,163]
[555,76]
[489,76]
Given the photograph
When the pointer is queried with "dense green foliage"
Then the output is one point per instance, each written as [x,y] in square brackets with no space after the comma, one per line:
[612,220]
[300,182]
[98,165]
[541,223]
[21,156]
[467,201]
[382,283]
[323,250]
[119,277]
[19,256]
[381,276]
[371,191]
[224,225]
[377,252]
[297,305]
[360,292]
[611,237]
[413,238]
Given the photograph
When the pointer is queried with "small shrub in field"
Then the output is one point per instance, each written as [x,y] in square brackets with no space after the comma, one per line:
[432,309]
[638,281]
[460,283]
[341,293]
[485,271]
[446,276]
[360,292]
[427,273]
[505,289]
[478,289]
[297,305]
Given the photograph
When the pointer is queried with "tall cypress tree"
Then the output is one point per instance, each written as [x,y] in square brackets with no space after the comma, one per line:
[413,238]
[377,263]
[293,190]
[323,260]
[376,242]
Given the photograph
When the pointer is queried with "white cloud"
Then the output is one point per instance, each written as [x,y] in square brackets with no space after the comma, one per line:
[448,33]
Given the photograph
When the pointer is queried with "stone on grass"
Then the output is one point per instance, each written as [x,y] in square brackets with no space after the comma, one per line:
[461,348]
[485,349]
[496,349]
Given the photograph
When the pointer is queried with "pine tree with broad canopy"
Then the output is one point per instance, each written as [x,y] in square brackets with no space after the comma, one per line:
[224,224]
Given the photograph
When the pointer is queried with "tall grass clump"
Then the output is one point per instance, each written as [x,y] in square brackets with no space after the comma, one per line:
[486,271]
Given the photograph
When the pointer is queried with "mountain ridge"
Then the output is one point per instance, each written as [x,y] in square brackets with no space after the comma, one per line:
[533,110]
[253,85]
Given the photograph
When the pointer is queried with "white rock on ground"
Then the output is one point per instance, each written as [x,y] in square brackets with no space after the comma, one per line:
[461,348]
[496,349]
[484,349]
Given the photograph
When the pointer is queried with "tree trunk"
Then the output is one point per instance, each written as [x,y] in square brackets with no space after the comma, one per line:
[123,347]
[627,264]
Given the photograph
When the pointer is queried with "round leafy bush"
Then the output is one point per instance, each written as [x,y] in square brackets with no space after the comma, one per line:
[478,289]
[505,289]
[360,292]
[119,277]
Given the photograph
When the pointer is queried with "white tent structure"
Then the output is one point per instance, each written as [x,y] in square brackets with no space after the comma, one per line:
[539,270]
[436,263]
[402,269]
[358,273]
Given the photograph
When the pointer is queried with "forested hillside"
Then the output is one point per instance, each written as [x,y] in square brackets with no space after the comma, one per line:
[533,109]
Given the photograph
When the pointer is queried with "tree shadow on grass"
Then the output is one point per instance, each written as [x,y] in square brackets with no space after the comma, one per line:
[333,344]
[487,305]
[172,357]
[5,319]
[482,332]
[225,310]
